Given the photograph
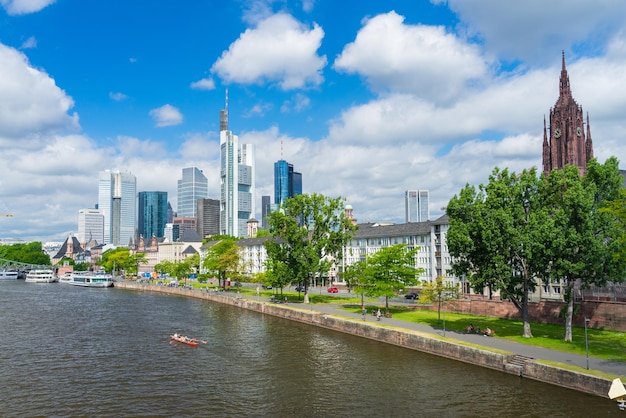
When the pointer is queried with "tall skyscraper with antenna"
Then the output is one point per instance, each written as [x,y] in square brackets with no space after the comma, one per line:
[237,180]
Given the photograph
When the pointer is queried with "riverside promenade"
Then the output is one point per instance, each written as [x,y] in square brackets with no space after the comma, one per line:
[491,352]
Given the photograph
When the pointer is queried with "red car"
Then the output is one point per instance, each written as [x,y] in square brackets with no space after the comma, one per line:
[333,290]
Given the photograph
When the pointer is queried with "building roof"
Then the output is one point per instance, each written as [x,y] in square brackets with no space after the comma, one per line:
[375,229]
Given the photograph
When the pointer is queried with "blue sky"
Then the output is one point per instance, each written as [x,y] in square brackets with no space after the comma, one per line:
[366,98]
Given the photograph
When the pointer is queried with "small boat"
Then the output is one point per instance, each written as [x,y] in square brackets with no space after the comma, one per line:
[618,392]
[8,275]
[41,276]
[88,279]
[185,340]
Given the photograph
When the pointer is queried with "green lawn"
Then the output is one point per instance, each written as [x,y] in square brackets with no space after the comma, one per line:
[604,344]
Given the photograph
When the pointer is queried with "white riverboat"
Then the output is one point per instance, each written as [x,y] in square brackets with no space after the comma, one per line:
[6,275]
[41,276]
[88,279]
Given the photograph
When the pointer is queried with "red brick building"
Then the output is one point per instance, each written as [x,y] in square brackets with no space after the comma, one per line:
[569,143]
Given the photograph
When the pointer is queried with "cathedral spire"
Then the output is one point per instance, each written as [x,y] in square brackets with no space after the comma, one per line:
[564,89]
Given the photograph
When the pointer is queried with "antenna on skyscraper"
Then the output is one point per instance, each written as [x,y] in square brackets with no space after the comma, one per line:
[281,149]
[224,115]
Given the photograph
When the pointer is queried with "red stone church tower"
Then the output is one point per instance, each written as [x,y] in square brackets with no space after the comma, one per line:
[568,143]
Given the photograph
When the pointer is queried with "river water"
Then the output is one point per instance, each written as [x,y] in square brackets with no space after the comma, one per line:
[69,351]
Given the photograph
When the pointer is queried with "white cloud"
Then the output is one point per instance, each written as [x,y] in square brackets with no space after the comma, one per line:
[423,60]
[20,7]
[31,101]
[203,84]
[29,43]
[118,97]
[279,50]
[298,103]
[166,115]
[533,29]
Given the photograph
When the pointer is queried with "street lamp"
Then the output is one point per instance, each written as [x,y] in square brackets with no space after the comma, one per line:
[587,342]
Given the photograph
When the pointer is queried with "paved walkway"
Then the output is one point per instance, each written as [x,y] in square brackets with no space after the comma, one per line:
[618,368]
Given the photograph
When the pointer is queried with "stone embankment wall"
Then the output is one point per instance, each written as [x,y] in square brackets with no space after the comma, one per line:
[428,343]
[605,314]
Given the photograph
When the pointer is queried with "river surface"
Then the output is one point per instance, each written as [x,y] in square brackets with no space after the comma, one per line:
[69,351]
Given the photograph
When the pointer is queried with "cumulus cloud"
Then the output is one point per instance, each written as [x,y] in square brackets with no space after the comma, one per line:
[31,101]
[20,7]
[533,29]
[203,84]
[298,103]
[423,60]
[278,50]
[166,115]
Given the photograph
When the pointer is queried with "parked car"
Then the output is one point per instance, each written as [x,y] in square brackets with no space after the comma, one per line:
[412,296]
[299,288]
[333,290]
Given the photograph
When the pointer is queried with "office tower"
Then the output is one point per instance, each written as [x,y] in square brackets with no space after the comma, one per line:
[90,226]
[416,206]
[208,217]
[193,186]
[170,213]
[567,144]
[237,178]
[265,211]
[152,214]
[117,200]
[287,182]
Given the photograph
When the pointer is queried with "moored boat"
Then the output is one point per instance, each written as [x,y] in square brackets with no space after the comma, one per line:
[88,279]
[617,391]
[41,276]
[8,275]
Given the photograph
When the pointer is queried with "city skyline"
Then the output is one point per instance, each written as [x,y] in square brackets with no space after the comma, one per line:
[366,99]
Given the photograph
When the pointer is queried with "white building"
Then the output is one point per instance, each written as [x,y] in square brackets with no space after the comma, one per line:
[117,198]
[430,237]
[90,225]
[237,181]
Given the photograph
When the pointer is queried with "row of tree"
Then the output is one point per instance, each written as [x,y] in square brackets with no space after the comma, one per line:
[520,230]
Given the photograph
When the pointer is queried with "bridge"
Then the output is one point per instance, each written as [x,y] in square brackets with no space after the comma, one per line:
[19,266]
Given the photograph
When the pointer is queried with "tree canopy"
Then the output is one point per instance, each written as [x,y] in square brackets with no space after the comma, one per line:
[308,235]
[30,253]
[223,260]
[388,271]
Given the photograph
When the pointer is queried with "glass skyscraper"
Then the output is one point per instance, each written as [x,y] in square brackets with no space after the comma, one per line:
[152,216]
[117,194]
[416,206]
[193,186]
[237,181]
[287,182]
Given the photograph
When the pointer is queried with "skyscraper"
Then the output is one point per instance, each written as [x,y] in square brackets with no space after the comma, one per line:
[237,185]
[152,214]
[193,186]
[287,182]
[208,217]
[117,200]
[90,226]
[265,210]
[567,143]
[416,205]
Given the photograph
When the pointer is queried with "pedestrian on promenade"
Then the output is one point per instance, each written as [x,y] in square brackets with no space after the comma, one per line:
[378,315]
[363,311]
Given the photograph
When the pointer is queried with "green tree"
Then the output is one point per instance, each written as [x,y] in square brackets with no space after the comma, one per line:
[136,259]
[582,240]
[117,259]
[389,271]
[309,233]
[495,233]
[439,292]
[617,208]
[223,260]
[30,253]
